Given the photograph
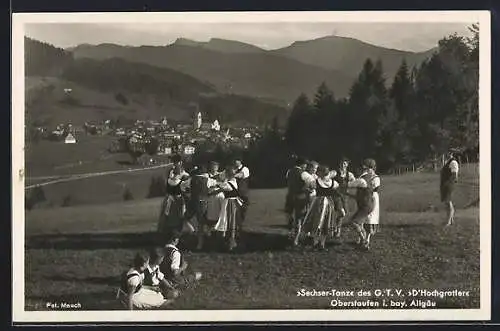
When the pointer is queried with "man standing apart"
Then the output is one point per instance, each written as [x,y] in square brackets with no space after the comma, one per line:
[242,179]
[449,177]
[296,199]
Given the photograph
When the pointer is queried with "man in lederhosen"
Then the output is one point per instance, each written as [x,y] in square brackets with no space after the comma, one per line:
[449,177]
[242,176]
[199,202]
[297,197]
[174,267]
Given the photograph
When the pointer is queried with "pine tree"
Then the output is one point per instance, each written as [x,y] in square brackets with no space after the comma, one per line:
[298,125]
[368,103]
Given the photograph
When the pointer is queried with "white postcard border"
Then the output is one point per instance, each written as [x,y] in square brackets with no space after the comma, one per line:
[18,216]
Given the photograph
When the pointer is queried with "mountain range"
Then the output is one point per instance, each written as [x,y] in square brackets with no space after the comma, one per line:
[164,79]
[284,73]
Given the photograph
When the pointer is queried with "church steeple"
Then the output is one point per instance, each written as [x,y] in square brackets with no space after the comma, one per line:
[197,121]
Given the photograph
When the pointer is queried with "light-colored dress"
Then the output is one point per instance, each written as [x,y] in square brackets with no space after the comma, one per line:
[230,209]
[214,203]
[374,216]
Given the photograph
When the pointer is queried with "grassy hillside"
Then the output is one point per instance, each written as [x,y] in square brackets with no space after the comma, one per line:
[75,254]
[42,59]
[114,88]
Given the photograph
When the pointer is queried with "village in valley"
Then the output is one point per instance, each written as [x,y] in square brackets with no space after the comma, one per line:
[155,139]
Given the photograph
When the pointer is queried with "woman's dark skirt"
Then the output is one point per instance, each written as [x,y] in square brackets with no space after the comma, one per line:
[447,189]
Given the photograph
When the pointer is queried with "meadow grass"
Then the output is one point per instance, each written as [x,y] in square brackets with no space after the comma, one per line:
[76,254]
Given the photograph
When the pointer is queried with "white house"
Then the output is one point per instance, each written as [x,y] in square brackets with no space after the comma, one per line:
[189,150]
[70,139]
[216,125]
[197,121]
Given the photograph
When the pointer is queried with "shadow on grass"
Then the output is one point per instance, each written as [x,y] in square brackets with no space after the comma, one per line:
[250,242]
[109,280]
[125,162]
[93,241]
[406,225]
[279,226]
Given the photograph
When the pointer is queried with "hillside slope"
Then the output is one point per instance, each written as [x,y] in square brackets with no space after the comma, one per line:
[261,75]
[114,88]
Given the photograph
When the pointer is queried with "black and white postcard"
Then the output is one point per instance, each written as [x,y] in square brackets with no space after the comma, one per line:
[251,166]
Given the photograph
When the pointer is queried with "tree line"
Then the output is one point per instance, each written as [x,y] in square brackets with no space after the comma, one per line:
[427,109]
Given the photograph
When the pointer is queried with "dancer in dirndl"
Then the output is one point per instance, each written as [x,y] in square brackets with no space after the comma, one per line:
[343,177]
[318,222]
[229,221]
[215,196]
[173,207]
[367,199]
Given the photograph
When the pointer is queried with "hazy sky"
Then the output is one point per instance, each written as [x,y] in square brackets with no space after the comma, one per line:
[405,36]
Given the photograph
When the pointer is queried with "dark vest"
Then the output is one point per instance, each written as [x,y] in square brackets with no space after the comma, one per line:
[199,188]
[124,281]
[234,193]
[148,276]
[296,185]
[446,174]
[324,192]
[243,186]
[364,195]
[174,189]
[165,266]
[343,181]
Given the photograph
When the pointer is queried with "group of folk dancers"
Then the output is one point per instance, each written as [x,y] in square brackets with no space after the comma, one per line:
[206,201]
[317,202]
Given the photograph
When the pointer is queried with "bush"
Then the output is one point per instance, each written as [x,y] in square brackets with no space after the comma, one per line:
[67,201]
[121,99]
[36,196]
[127,195]
[70,100]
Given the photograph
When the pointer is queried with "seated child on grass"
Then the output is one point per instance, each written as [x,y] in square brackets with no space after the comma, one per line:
[174,266]
[132,293]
